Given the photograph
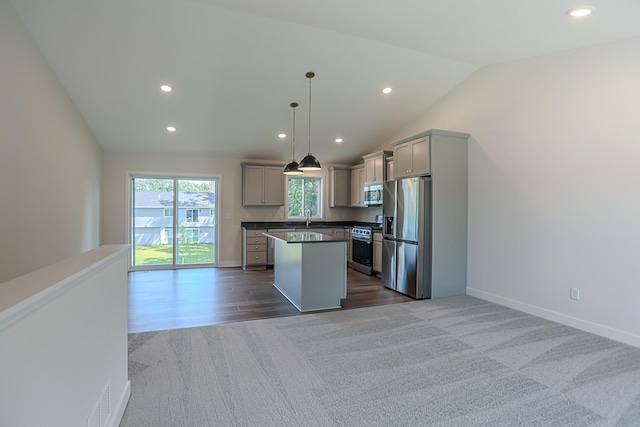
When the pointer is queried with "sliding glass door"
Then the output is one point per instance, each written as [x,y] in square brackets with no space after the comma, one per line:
[196,222]
[173,222]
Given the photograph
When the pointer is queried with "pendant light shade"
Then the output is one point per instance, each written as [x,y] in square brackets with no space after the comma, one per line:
[309,163]
[292,167]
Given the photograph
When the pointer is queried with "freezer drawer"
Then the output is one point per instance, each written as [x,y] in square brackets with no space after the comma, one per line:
[407,269]
[389,263]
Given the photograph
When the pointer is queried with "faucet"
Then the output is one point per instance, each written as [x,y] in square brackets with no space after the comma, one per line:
[308,217]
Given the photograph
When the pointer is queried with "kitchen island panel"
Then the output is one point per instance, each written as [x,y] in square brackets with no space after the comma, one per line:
[312,275]
[288,273]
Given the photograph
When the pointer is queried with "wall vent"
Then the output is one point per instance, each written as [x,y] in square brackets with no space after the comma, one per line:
[94,418]
[105,405]
[101,412]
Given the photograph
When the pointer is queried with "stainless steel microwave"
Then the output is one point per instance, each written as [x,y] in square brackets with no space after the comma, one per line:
[373,194]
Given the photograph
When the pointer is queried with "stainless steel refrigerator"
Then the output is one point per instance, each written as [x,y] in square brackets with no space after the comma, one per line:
[406,228]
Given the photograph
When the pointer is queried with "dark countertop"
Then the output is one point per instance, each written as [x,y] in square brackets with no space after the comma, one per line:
[303,237]
[272,225]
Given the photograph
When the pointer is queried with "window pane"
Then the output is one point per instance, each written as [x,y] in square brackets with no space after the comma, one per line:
[304,194]
[311,193]
[196,243]
[294,196]
[152,245]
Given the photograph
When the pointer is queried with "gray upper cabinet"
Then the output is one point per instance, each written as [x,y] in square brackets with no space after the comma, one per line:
[390,174]
[357,186]
[339,187]
[412,158]
[262,185]
[375,167]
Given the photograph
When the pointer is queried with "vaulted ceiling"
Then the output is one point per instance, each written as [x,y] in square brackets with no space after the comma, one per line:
[236,65]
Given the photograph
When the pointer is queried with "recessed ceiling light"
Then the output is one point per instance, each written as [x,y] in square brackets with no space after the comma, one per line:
[579,12]
[282,135]
[387,90]
[166,88]
[171,128]
[338,140]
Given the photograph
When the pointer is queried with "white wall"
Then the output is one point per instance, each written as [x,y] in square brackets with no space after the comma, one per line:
[50,163]
[553,184]
[63,342]
[118,166]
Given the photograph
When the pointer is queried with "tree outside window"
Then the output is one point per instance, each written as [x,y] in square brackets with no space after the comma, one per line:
[193,235]
[304,194]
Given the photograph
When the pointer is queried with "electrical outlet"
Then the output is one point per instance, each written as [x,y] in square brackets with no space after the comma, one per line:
[575,294]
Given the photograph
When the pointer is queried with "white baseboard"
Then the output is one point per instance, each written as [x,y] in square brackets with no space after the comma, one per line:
[118,412]
[574,322]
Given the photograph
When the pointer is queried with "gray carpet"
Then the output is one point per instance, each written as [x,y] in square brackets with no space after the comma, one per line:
[455,361]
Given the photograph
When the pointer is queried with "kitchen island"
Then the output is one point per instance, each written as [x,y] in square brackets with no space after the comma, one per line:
[310,269]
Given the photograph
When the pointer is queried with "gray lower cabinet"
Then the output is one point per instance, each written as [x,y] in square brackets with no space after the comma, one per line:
[377,252]
[337,232]
[255,246]
[254,249]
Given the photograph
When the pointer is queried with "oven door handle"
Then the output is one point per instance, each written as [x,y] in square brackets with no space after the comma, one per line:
[361,239]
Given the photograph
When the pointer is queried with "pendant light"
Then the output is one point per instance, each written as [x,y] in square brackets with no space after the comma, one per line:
[292,168]
[310,163]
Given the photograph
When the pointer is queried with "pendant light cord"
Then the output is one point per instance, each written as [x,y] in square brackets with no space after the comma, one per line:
[294,105]
[310,75]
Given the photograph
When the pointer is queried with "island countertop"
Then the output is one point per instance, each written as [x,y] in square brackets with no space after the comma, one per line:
[302,237]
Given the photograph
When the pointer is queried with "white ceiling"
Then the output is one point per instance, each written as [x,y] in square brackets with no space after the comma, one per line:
[236,65]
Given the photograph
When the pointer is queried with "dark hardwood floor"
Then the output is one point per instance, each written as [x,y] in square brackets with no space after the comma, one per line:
[171,299]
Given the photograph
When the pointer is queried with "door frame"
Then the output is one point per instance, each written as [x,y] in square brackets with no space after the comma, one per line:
[130,175]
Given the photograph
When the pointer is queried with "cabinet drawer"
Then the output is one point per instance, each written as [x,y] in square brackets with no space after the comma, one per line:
[255,233]
[256,248]
[256,257]
[261,240]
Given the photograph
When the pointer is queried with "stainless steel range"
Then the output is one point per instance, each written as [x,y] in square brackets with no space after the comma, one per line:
[362,249]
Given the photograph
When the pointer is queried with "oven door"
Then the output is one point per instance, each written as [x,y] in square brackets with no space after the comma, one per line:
[362,256]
